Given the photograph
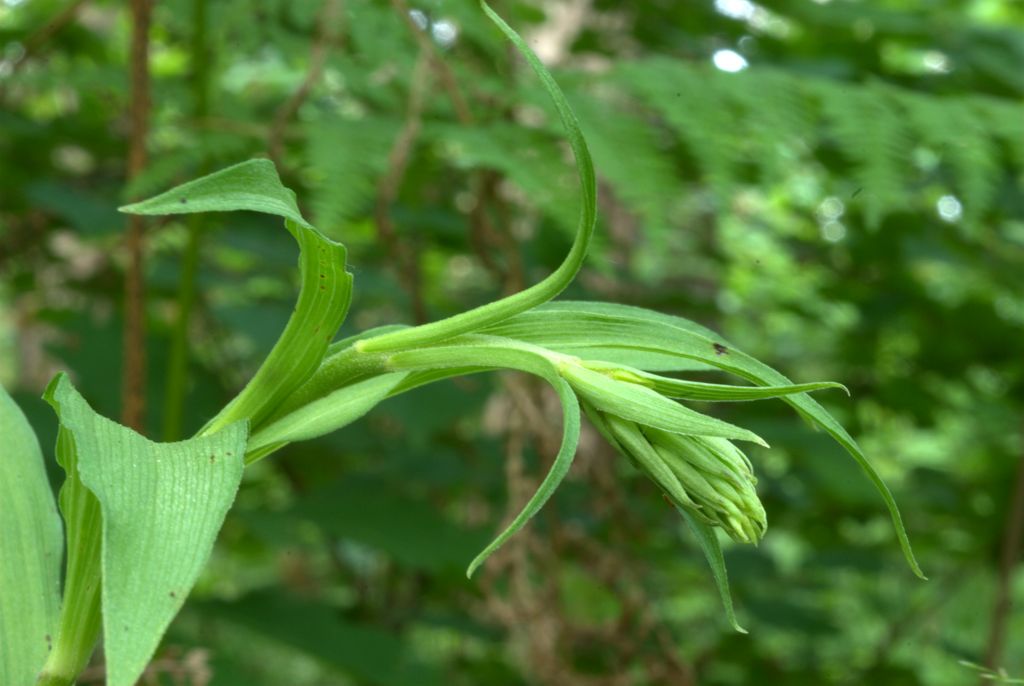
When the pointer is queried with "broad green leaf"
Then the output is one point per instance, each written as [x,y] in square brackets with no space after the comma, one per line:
[707,537]
[556,282]
[162,506]
[521,359]
[326,288]
[31,541]
[645,406]
[324,415]
[574,328]
[650,360]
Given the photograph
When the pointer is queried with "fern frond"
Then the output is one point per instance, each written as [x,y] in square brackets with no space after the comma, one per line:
[530,158]
[953,129]
[633,162]
[777,120]
[1005,121]
[872,134]
[346,158]
[693,104]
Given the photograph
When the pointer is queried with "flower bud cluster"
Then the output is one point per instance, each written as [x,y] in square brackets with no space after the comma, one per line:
[705,474]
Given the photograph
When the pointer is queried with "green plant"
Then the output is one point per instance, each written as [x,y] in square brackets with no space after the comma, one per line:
[140,518]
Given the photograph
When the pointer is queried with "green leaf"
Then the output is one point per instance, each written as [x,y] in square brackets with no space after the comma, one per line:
[79,626]
[559,468]
[30,551]
[556,282]
[506,355]
[697,390]
[162,506]
[324,415]
[708,540]
[252,185]
[645,406]
[326,288]
[574,328]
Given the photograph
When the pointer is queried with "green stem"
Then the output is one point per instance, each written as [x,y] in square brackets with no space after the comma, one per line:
[80,621]
[556,282]
[341,369]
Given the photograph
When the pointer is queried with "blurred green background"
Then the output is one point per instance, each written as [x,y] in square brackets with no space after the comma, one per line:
[835,185]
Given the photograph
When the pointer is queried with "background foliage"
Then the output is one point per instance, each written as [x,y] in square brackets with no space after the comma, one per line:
[846,206]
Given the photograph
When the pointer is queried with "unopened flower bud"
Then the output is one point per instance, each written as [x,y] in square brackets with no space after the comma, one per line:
[718,477]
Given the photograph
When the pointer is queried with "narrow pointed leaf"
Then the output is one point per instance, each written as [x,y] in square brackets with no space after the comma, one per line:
[519,358]
[584,329]
[684,389]
[31,541]
[326,288]
[556,282]
[644,406]
[708,540]
[162,506]
[559,468]
[696,390]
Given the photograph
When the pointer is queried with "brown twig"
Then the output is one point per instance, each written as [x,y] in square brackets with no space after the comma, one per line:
[482,232]
[402,254]
[328,33]
[134,371]
[444,72]
[1012,538]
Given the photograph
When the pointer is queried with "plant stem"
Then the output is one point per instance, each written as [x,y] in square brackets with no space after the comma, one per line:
[78,628]
[555,282]
[336,371]
[133,396]
[1012,539]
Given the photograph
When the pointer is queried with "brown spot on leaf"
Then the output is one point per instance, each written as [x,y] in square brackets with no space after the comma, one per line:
[172,594]
[184,201]
[213,458]
[720,349]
